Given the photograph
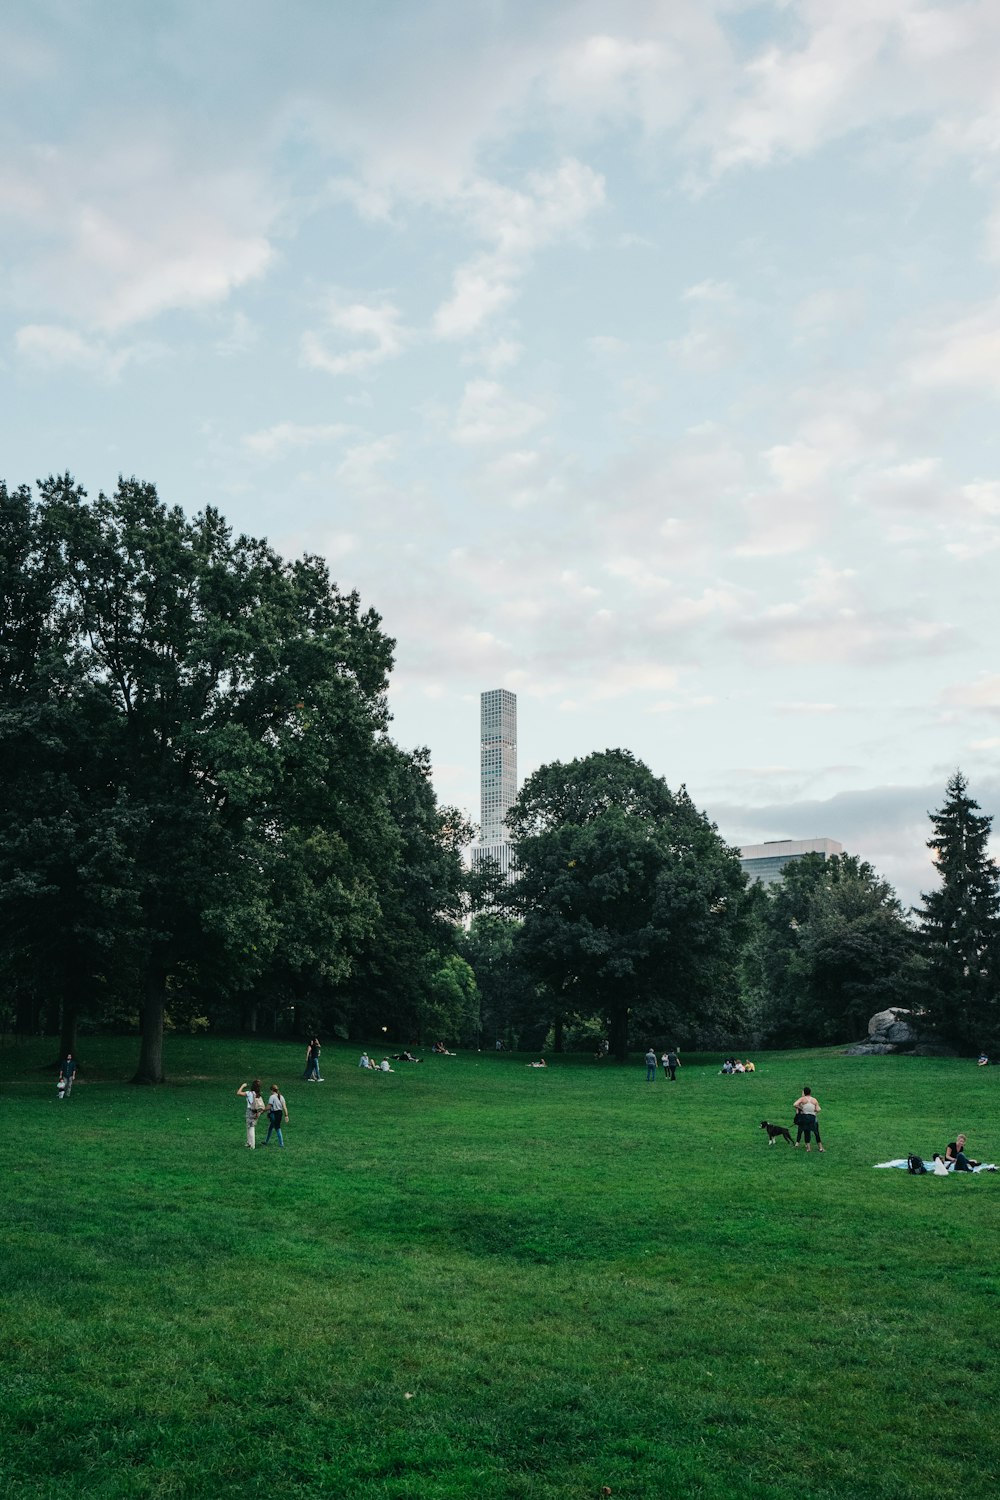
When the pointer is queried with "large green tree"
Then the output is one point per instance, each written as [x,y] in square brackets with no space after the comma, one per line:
[515,1010]
[829,944]
[631,902]
[230,707]
[66,902]
[960,923]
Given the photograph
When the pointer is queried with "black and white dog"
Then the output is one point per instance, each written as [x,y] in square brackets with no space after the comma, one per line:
[773,1131]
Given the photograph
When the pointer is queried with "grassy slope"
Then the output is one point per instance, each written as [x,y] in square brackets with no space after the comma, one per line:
[579,1280]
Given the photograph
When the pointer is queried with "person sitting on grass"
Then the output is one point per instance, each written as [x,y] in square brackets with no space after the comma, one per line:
[983,1060]
[955,1154]
[727,1066]
[748,1067]
[738,1067]
[384,1066]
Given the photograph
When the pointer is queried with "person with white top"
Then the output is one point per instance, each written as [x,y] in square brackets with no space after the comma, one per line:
[277,1112]
[363,1061]
[255,1108]
[806,1109]
[384,1065]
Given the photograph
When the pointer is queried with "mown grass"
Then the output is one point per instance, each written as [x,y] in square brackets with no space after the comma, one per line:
[474,1279]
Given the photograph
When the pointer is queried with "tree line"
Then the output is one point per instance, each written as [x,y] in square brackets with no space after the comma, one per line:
[204,821]
[203,814]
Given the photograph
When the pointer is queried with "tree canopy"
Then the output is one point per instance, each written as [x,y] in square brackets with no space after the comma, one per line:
[198,785]
[631,903]
[829,945]
[960,923]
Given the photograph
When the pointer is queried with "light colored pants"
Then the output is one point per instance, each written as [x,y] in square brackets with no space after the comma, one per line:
[68,1088]
[252,1131]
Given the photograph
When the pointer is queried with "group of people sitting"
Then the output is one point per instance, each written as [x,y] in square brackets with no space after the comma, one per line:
[364,1061]
[442,1051]
[733,1065]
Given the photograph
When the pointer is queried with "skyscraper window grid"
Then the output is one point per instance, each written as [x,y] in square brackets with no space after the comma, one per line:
[498,773]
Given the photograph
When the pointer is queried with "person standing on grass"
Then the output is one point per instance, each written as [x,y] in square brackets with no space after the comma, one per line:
[255,1108]
[671,1062]
[277,1111]
[806,1109]
[67,1072]
[311,1074]
[650,1066]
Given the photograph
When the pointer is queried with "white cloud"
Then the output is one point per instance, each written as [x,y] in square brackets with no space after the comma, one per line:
[501,355]
[50,346]
[479,290]
[271,441]
[379,324]
[488,413]
[517,224]
[983,693]
[709,291]
[964,354]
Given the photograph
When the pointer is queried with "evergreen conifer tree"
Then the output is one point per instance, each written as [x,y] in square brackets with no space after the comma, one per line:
[960,923]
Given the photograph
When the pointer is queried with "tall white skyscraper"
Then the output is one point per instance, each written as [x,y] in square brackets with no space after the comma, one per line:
[498,774]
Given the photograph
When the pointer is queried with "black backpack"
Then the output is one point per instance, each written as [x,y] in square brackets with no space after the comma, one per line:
[915,1164]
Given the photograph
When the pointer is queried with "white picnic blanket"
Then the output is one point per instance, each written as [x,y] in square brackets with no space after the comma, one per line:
[901,1161]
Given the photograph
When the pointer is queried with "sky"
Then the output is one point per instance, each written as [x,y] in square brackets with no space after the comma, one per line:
[639,356]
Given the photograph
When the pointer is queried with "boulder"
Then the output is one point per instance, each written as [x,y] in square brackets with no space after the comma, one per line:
[891,1030]
[883,1020]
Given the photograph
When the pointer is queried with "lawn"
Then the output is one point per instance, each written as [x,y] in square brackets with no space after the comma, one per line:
[470,1278]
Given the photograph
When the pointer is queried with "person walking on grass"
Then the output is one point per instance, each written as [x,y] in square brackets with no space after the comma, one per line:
[650,1066]
[806,1109]
[311,1074]
[671,1062]
[67,1072]
[255,1108]
[277,1111]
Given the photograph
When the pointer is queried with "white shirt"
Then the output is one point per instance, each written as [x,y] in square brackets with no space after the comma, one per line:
[363,1060]
[276,1102]
[384,1065]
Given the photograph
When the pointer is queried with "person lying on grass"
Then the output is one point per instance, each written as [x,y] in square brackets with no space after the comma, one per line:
[540,1064]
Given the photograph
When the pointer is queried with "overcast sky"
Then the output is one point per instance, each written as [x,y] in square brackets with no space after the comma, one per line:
[641,357]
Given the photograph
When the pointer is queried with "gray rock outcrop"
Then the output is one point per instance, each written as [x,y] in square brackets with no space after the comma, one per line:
[891,1030]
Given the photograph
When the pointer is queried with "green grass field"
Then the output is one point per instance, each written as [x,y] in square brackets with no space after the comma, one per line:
[474,1279]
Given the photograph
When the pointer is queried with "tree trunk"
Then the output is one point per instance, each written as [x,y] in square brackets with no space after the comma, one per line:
[558,1026]
[67,1036]
[250,1018]
[618,1031]
[27,1014]
[75,985]
[150,1069]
